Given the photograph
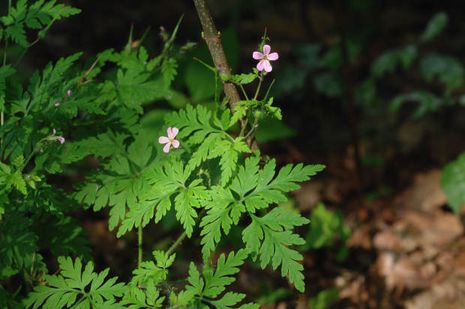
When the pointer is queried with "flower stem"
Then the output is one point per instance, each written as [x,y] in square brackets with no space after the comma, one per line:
[139,246]
[258,88]
[243,92]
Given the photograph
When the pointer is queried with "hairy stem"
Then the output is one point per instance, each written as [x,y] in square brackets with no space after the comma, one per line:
[139,246]
[212,38]
[176,243]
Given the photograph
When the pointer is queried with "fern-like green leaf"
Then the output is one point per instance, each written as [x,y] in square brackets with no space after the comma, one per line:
[202,129]
[73,286]
[38,16]
[253,188]
[271,236]
[167,183]
[209,285]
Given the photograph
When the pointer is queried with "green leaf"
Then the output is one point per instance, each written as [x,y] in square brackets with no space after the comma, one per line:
[435,26]
[324,299]
[325,228]
[166,183]
[5,72]
[17,241]
[39,15]
[123,183]
[329,84]
[73,286]
[202,129]
[390,60]
[446,69]
[453,183]
[229,300]
[211,284]
[196,283]
[427,102]
[243,79]
[102,145]
[216,280]
[271,236]
[253,188]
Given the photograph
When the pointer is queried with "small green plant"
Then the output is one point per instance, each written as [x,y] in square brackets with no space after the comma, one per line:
[327,230]
[204,171]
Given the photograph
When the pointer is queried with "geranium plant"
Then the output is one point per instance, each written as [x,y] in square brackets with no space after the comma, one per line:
[206,170]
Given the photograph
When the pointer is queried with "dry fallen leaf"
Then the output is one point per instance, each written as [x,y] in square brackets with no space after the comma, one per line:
[425,193]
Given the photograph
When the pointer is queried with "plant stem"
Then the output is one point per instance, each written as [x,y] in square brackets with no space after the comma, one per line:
[243,92]
[212,38]
[254,127]
[176,243]
[139,246]
[260,79]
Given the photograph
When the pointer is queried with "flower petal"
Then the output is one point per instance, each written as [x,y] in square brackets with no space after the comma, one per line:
[174,132]
[166,148]
[273,56]
[257,55]
[169,132]
[163,140]
[260,65]
[266,49]
[267,66]
[175,143]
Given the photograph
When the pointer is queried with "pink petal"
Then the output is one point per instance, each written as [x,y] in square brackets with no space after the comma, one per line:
[163,140]
[169,132]
[273,56]
[175,143]
[266,49]
[166,148]
[260,65]
[257,55]
[61,139]
[174,131]
[267,66]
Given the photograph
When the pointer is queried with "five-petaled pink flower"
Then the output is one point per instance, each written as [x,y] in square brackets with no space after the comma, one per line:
[265,58]
[169,140]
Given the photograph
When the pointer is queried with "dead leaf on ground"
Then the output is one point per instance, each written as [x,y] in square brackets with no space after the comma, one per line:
[425,194]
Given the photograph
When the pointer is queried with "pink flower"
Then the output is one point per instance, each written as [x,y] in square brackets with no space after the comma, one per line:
[169,140]
[265,58]
[61,139]
[58,138]
[69,93]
